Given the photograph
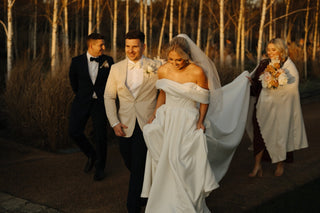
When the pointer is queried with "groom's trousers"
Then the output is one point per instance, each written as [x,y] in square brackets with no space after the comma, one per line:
[133,151]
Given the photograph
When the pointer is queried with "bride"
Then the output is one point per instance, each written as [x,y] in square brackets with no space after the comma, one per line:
[187,134]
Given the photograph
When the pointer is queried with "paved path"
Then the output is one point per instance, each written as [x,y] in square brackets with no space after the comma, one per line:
[32,180]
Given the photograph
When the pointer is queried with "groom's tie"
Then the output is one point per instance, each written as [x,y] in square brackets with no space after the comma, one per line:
[134,66]
[95,59]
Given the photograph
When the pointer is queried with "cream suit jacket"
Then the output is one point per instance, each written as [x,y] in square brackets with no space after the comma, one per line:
[130,109]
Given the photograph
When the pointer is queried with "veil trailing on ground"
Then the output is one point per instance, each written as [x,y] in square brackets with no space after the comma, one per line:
[227,113]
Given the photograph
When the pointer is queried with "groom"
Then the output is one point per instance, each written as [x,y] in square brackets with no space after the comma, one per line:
[134,85]
[88,76]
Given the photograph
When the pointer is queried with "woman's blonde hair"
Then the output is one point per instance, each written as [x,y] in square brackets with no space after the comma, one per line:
[281,46]
[180,45]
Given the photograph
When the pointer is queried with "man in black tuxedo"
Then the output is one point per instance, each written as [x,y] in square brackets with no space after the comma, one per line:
[88,76]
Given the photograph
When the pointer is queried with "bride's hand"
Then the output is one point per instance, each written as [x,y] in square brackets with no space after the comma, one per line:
[151,119]
[249,78]
[201,126]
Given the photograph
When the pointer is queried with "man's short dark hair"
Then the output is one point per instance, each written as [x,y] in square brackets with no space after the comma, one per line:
[135,34]
[94,36]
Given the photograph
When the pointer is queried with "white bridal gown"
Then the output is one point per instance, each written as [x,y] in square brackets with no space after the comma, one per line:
[183,164]
[178,175]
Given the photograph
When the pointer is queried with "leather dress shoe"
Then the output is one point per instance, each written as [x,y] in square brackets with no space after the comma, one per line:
[99,175]
[89,165]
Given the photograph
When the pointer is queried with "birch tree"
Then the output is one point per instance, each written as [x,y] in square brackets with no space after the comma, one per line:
[179,16]
[171,21]
[209,33]
[90,18]
[222,32]
[66,32]
[82,24]
[127,16]
[315,35]
[98,16]
[286,20]
[262,20]
[9,33]
[141,15]
[54,37]
[271,20]
[242,43]
[185,12]
[145,13]
[150,26]
[76,36]
[240,25]
[115,22]
[199,24]
[306,29]
[162,28]
[35,29]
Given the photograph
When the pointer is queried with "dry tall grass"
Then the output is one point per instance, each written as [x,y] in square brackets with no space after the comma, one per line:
[37,104]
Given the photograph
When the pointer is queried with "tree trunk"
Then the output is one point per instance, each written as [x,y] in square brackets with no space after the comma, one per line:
[262,20]
[90,18]
[243,44]
[35,29]
[209,33]
[162,28]
[185,12]
[179,17]
[66,31]
[271,21]
[171,21]
[305,56]
[76,36]
[239,32]
[115,22]
[141,15]
[127,16]
[98,18]
[191,20]
[82,25]
[286,20]
[9,38]
[221,33]
[199,24]
[315,35]
[145,26]
[54,38]
[150,27]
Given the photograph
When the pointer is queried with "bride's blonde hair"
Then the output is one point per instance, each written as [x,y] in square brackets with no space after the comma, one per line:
[180,45]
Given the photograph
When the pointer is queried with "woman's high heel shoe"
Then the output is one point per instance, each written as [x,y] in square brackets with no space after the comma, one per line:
[256,172]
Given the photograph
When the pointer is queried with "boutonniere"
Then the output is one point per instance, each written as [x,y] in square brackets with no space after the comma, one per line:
[151,66]
[105,64]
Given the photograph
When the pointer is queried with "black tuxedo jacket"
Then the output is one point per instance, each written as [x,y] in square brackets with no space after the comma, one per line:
[81,82]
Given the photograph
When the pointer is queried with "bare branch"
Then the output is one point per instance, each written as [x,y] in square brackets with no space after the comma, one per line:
[5,28]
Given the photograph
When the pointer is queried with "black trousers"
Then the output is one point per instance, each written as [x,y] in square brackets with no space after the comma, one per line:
[133,151]
[77,124]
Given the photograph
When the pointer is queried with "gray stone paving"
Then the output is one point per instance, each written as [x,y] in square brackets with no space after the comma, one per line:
[11,204]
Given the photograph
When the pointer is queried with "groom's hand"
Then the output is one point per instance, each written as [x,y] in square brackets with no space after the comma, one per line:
[118,129]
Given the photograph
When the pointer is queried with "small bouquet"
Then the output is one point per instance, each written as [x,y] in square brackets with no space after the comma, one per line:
[273,76]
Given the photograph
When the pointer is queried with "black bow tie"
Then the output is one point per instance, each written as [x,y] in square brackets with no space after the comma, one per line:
[95,59]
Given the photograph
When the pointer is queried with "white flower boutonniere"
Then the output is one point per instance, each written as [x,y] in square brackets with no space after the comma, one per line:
[105,64]
[151,66]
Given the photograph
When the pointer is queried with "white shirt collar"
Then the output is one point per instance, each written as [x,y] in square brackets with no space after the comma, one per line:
[89,56]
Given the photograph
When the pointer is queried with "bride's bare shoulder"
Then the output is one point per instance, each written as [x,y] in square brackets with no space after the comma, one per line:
[163,70]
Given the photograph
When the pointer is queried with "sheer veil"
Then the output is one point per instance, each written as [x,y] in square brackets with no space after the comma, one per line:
[202,60]
[227,113]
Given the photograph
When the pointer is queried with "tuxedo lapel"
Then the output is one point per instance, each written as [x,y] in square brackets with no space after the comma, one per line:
[85,67]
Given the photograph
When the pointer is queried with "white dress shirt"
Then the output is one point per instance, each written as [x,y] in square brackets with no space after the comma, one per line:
[134,77]
[93,67]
